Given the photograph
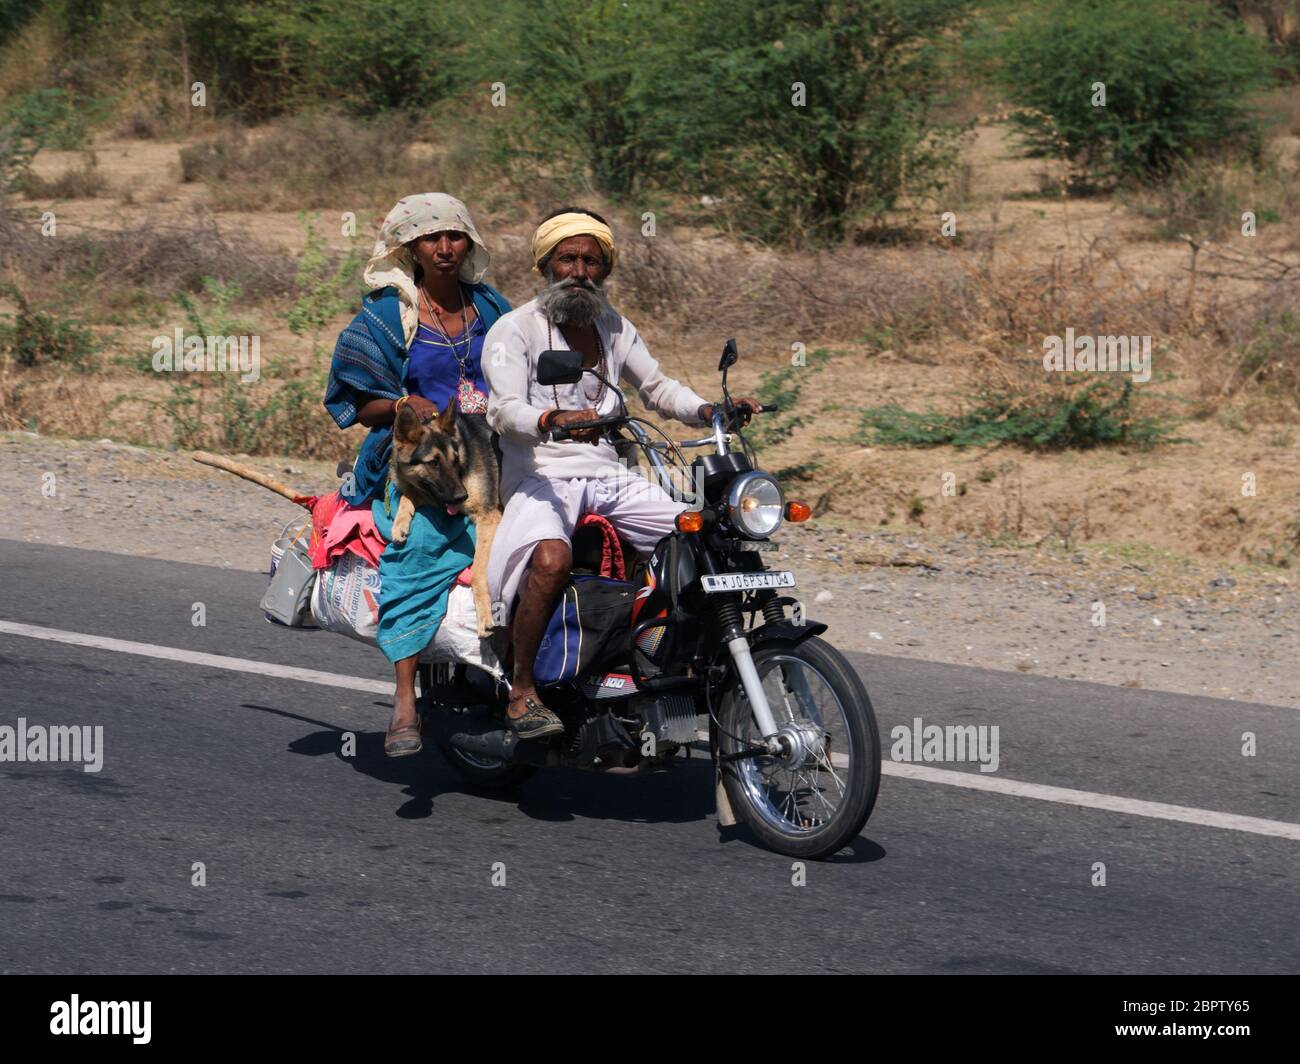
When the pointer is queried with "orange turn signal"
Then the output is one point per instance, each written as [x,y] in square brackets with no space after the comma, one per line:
[797,511]
[690,521]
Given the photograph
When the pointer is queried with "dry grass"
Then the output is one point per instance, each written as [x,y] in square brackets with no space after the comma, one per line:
[720,287]
[1208,198]
[149,258]
[314,160]
[85,182]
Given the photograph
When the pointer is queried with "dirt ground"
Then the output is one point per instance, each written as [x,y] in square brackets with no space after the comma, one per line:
[1172,622]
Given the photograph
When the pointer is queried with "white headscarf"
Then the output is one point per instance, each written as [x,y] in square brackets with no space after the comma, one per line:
[415,216]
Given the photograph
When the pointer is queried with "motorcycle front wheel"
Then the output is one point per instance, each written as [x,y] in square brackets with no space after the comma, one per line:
[814,800]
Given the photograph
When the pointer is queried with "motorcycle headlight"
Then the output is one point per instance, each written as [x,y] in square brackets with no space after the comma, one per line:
[755,503]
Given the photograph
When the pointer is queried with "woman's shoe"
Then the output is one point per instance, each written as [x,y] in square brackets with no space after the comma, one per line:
[404,741]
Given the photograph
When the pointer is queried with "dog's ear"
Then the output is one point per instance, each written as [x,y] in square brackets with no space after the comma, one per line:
[407,427]
[447,419]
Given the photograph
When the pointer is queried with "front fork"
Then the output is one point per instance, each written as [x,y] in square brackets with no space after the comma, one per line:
[733,634]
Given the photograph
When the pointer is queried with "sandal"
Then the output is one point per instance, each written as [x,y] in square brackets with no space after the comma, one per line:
[537,723]
[404,741]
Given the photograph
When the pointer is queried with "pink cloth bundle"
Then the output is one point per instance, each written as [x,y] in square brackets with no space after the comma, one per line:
[339,527]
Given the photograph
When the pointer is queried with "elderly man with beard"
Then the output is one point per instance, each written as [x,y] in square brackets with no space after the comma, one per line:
[547,486]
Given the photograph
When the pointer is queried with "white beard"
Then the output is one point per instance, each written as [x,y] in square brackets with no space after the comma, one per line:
[565,303]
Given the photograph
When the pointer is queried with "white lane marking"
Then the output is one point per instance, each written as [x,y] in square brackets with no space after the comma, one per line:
[971,780]
[1110,802]
[194,657]
[1113,803]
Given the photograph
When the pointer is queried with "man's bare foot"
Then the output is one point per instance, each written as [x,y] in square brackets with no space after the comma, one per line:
[403,738]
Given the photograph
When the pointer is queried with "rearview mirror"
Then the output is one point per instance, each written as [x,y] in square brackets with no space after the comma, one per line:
[729,356]
[559,367]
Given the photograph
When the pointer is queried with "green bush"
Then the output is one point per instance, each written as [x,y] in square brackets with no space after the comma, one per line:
[1099,412]
[35,120]
[14,15]
[35,338]
[262,58]
[662,95]
[783,388]
[863,139]
[381,54]
[1178,77]
[326,287]
[585,82]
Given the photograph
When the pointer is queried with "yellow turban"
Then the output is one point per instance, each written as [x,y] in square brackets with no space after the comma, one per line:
[563,226]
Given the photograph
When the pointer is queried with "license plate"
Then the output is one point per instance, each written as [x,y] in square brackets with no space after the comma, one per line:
[746,581]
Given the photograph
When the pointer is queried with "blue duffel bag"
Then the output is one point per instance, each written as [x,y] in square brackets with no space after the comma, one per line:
[590,624]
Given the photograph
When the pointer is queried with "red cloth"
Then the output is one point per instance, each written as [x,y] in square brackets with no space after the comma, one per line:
[338,527]
[348,528]
[611,550]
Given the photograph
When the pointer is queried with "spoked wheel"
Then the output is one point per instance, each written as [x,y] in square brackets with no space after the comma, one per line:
[814,799]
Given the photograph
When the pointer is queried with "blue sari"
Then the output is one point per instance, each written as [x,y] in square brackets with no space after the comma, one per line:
[371,360]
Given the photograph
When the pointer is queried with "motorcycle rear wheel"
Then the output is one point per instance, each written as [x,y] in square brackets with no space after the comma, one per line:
[816,807]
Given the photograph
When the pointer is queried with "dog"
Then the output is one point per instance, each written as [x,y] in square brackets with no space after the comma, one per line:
[450,461]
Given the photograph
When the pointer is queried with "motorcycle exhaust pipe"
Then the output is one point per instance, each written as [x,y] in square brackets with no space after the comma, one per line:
[502,744]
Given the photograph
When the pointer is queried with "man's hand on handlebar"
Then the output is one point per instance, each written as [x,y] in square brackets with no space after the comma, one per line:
[568,417]
[744,410]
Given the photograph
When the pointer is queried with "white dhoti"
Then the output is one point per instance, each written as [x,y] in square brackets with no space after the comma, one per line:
[542,508]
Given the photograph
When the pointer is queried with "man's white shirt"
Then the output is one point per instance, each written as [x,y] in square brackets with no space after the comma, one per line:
[516,401]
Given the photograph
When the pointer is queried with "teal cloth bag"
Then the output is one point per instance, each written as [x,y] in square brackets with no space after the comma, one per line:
[416,576]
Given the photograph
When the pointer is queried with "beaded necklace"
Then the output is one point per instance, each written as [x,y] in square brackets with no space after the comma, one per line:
[600,368]
[468,397]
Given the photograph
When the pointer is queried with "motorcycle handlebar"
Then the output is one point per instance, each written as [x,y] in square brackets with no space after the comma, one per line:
[562,432]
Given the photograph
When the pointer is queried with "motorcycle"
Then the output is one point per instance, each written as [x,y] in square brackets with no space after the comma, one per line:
[790,729]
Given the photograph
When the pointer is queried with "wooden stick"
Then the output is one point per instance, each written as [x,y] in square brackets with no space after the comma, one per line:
[231,466]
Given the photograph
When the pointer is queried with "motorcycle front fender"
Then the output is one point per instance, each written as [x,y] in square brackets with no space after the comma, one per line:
[784,632]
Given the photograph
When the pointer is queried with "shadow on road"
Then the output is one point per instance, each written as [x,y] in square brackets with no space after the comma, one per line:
[682,795]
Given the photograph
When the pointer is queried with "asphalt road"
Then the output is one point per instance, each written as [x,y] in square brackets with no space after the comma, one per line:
[316,862]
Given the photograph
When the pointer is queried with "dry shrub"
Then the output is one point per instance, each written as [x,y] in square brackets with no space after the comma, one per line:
[726,288]
[313,160]
[12,385]
[149,257]
[52,404]
[83,183]
[1263,335]
[140,121]
[1205,198]
[1095,294]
